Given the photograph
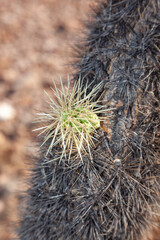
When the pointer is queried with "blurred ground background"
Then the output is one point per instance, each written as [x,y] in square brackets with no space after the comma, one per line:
[35,46]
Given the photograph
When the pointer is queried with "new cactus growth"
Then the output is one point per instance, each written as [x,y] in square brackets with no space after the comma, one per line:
[71,120]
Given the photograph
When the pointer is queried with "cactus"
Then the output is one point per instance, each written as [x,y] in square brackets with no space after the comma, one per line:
[114,192]
[71,120]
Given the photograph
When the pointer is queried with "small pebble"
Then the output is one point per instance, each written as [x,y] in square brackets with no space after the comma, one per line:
[7,112]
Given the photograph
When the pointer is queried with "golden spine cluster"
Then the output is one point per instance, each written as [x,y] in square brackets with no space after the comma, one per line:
[72,119]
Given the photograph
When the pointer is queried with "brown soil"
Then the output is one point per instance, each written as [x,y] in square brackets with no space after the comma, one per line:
[35,48]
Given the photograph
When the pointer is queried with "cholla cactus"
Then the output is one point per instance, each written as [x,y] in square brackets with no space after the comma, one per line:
[71,120]
[113,194]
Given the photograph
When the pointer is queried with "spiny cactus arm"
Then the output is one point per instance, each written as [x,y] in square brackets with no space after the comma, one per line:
[114,192]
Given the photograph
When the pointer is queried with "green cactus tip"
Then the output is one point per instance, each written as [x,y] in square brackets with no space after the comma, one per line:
[71,120]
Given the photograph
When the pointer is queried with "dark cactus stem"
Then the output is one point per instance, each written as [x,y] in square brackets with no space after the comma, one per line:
[114,195]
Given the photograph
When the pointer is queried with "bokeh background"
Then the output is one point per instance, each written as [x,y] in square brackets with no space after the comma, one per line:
[35,47]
